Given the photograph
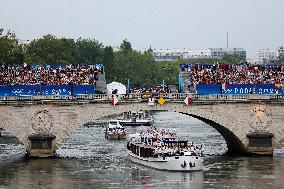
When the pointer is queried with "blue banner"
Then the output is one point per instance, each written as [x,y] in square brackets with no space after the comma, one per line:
[32,90]
[239,89]
[4,91]
[83,89]
[208,89]
[250,89]
[27,90]
[56,89]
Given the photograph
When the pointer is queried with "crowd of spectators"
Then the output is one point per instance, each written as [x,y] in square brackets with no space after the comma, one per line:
[49,75]
[219,73]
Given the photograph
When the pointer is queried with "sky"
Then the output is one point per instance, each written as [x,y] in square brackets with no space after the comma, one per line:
[161,24]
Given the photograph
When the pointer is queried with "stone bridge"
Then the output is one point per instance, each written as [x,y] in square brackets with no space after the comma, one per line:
[248,123]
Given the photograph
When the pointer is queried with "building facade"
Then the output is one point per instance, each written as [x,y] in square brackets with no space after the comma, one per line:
[184,54]
[169,54]
[221,52]
[280,52]
[196,54]
[267,55]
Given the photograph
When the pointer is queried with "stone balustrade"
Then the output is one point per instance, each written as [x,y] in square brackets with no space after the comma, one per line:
[143,97]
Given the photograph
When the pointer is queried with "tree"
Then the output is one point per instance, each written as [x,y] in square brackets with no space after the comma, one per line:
[90,51]
[231,59]
[169,71]
[125,46]
[51,50]
[10,50]
[108,57]
[140,68]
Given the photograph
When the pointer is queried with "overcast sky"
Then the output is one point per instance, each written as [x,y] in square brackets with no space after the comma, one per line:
[190,24]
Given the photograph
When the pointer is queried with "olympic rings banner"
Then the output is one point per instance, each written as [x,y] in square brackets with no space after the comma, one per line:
[32,90]
[239,89]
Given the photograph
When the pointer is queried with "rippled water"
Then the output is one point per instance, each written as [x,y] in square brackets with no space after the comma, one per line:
[88,160]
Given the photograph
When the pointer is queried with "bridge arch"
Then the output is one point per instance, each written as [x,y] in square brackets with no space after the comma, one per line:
[234,144]
[11,147]
[10,123]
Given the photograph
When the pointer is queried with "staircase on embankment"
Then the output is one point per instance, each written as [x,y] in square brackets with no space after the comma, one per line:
[101,83]
[185,82]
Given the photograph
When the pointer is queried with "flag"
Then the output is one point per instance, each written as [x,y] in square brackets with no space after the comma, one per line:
[225,86]
[151,101]
[114,101]
[278,86]
[187,101]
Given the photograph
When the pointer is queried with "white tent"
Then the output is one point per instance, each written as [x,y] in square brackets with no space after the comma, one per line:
[116,88]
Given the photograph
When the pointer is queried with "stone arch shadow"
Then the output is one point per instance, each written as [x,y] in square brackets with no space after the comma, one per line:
[13,147]
[11,135]
[234,144]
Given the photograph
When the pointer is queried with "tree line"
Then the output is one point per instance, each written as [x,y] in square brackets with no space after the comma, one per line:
[139,67]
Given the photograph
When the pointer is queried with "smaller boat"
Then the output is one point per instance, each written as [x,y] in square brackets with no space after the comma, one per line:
[136,119]
[115,131]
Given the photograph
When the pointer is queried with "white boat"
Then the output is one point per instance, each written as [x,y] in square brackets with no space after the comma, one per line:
[115,131]
[171,155]
[136,119]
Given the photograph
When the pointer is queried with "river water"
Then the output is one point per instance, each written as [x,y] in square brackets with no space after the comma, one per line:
[88,160]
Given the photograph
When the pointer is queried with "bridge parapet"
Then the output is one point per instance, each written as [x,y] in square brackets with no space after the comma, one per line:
[144,96]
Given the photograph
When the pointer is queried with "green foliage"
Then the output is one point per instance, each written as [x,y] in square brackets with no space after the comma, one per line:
[51,50]
[107,60]
[231,59]
[280,62]
[90,51]
[169,71]
[125,46]
[10,50]
[140,68]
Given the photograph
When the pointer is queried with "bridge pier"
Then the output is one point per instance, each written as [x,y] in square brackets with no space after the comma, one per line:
[1,132]
[260,143]
[41,145]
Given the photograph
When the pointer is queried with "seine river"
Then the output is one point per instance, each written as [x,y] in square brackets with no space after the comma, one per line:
[88,160]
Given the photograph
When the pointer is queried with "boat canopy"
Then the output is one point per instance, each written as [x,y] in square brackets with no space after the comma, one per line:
[115,124]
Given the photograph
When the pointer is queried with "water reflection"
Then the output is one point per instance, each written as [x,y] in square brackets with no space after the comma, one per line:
[162,179]
[39,173]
